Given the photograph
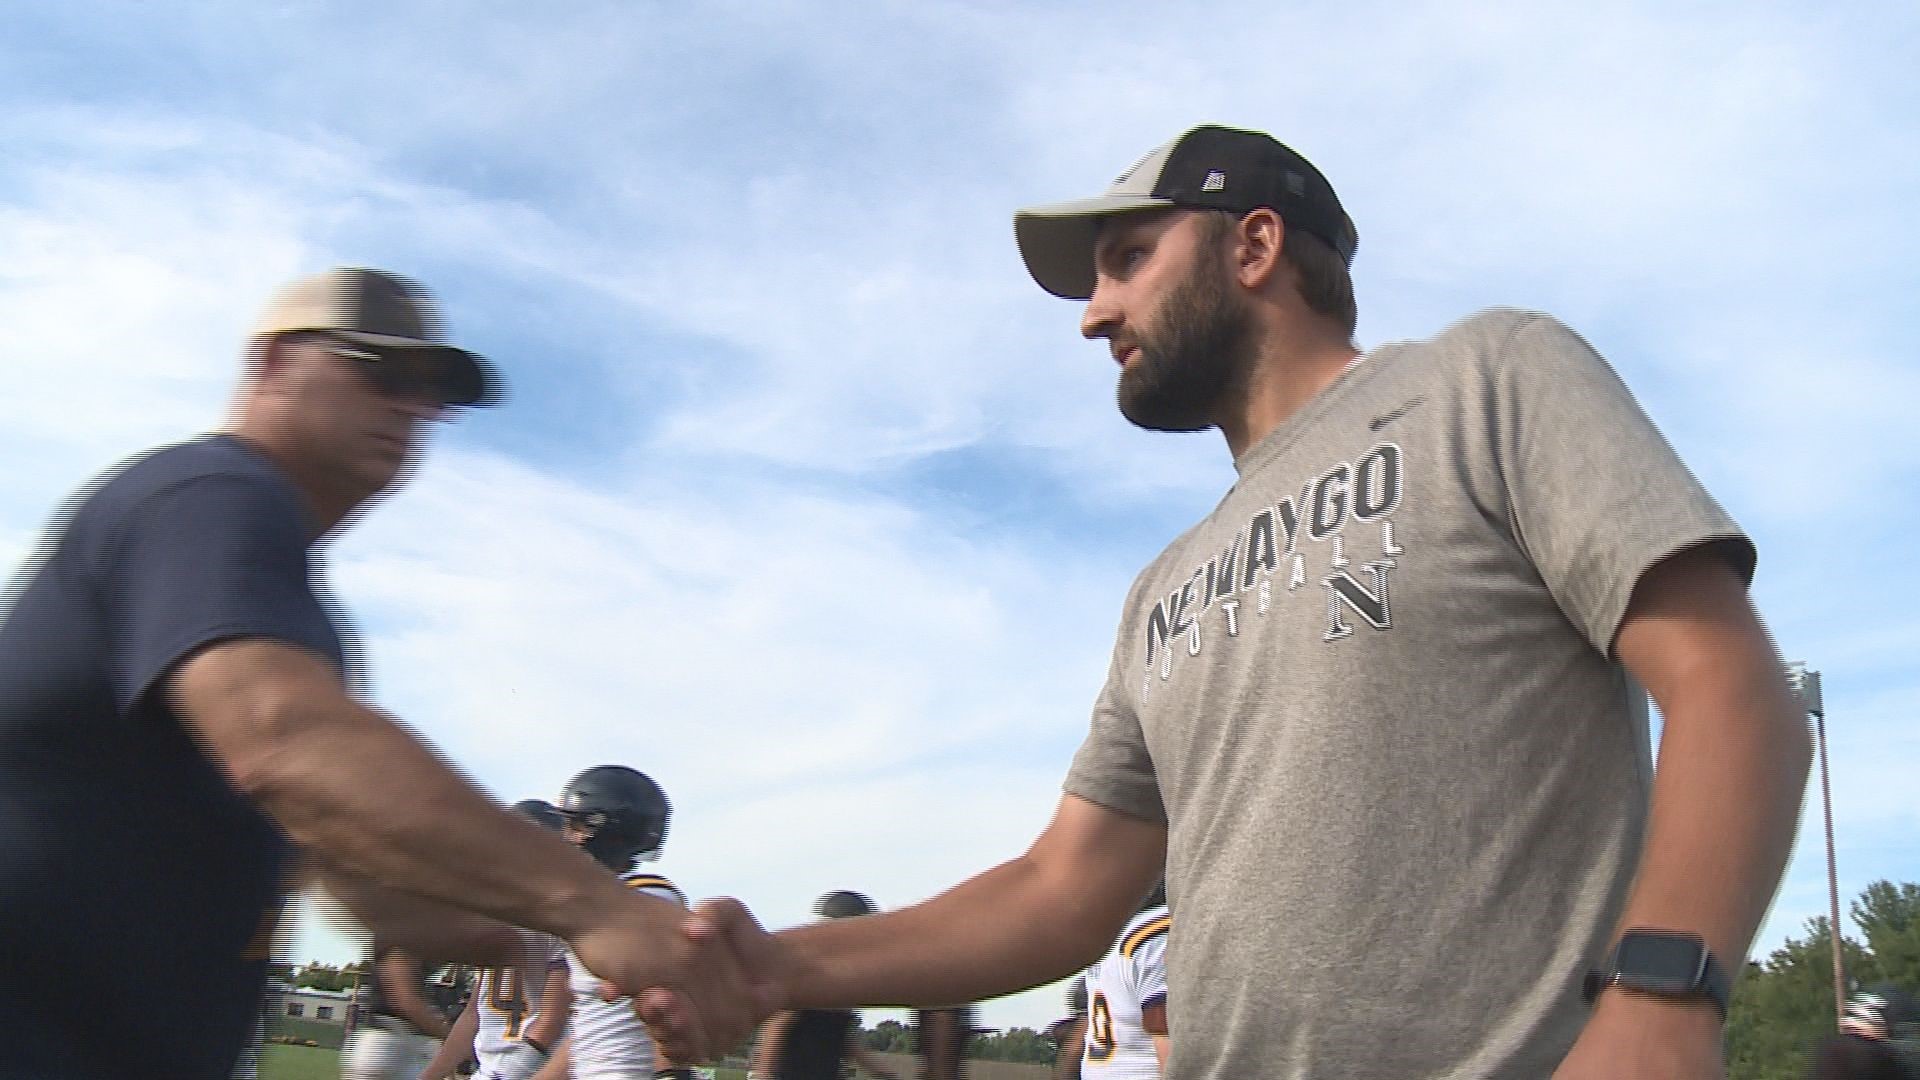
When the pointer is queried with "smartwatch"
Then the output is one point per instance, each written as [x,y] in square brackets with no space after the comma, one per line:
[1663,963]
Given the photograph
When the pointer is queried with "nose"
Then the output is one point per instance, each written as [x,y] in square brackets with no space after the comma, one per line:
[1102,312]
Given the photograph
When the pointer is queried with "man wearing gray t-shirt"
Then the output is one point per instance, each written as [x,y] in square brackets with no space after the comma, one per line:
[1381,714]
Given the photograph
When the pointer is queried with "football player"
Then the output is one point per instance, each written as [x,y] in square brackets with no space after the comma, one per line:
[817,1044]
[506,1031]
[1879,1039]
[619,816]
[406,1007]
[1126,1037]
[1069,1034]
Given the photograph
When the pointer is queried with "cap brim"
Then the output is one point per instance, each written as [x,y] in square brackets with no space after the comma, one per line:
[472,380]
[1056,241]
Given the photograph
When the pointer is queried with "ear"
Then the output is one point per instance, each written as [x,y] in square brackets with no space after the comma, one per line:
[267,356]
[1257,242]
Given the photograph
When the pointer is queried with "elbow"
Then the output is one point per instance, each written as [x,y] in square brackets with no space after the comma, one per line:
[290,766]
[260,766]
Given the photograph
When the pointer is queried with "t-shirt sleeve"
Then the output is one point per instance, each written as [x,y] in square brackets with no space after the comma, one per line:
[1113,766]
[1597,496]
[212,558]
[1147,962]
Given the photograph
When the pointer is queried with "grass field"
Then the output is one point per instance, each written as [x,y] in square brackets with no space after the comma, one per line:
[320,1031]
[909,1065]
[320,1063]
[299,1063]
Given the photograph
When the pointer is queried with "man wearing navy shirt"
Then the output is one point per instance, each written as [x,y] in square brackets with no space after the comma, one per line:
[175,726]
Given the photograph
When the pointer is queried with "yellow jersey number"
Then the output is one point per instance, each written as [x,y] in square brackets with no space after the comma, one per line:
[506,995]
[1099,1028]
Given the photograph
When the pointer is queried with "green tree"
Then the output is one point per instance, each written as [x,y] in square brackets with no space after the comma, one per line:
[324,977]
[1026,1045]
[890,1037]
[1783,1006]
[1889,918]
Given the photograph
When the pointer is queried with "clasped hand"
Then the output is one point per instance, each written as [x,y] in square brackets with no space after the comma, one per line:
[709,978]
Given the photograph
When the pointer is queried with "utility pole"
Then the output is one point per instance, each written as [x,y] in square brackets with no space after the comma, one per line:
[1806,684]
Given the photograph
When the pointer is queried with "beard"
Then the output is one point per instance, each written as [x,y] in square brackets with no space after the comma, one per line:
[1191,358]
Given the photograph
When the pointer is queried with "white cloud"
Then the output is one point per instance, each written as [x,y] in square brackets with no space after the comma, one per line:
[804,223]
[833,691]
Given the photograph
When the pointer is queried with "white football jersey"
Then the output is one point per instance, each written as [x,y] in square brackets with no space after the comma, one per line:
[1120,985]
[609,1042]
[504,1007]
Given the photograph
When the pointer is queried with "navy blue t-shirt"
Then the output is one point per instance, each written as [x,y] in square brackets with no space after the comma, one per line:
[135,882]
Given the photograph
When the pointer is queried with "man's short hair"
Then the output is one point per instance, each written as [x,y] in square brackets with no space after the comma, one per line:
[1320,272]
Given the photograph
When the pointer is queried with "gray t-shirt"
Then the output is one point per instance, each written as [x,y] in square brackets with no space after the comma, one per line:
[1373,698]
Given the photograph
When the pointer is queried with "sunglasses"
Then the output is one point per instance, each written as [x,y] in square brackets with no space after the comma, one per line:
[395,374]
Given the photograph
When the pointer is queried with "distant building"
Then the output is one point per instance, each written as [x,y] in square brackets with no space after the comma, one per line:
[305,1003]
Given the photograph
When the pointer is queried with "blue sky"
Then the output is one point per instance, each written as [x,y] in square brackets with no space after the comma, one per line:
[808,502]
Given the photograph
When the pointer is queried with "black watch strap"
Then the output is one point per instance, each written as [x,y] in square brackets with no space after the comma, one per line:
[1664,963]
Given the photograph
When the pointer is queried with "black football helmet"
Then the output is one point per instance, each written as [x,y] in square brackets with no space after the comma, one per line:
[540,812]
[1879,1012]
[621,813]
[843,904]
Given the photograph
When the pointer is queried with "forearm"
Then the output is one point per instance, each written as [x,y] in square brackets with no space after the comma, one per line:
[982,939]
[1037,918]
[559,1066]
[768,1043]
[555,1004]
[414,1010]
[455,1049]
[368,797]
[374,801]
[425,928]
[1726,795]
[400,974]
[1066,1063]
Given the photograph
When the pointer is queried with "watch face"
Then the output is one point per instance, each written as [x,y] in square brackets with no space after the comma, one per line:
[1662,963]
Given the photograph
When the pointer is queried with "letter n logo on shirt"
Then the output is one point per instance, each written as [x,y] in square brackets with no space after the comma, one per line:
[1344,591]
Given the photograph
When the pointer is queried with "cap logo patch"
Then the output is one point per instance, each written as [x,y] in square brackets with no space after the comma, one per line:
[1215,181]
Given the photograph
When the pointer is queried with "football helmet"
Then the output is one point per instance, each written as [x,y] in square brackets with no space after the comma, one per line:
[540,812]
[843,904]
[620,814]
[1876,1012]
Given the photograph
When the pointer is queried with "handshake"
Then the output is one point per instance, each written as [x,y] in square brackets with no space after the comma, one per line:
[701,980]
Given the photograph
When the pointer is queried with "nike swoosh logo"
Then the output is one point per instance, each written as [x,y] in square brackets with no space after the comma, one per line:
[1382,421]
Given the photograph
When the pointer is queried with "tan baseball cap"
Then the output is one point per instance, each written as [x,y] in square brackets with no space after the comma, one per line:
[1209,168]
[382,311]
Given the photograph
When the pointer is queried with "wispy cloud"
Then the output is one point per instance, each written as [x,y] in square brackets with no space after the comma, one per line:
[801,466]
